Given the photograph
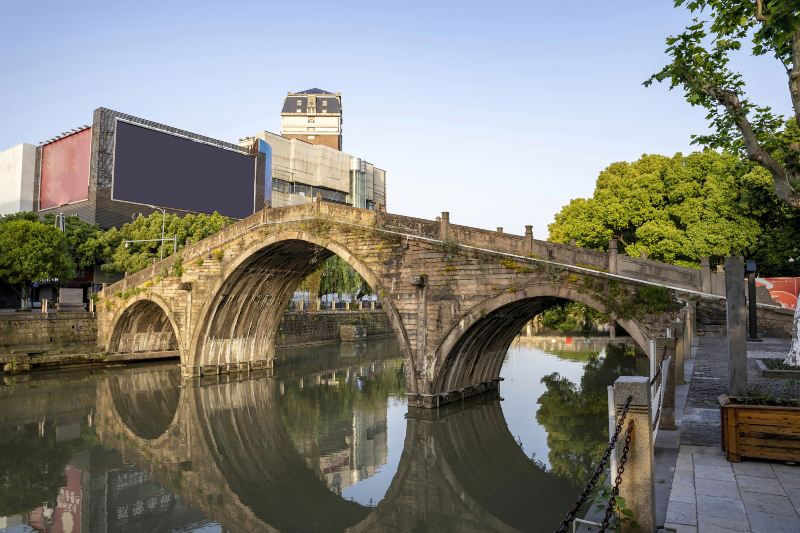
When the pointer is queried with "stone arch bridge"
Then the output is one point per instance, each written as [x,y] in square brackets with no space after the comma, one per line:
[456,296]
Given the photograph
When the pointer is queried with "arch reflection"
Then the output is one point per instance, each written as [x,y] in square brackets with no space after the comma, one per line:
[260,453]
[146,398]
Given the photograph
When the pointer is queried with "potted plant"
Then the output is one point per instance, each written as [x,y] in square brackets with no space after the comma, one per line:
[762,424]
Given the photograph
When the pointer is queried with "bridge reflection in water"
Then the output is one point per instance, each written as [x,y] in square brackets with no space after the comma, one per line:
[291,452]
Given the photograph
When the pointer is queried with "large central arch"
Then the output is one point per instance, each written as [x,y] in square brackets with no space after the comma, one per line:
[473,350]
[240,323]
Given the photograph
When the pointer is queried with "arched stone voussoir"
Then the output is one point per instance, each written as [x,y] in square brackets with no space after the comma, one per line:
[260,252]
[469,356]
[143,314]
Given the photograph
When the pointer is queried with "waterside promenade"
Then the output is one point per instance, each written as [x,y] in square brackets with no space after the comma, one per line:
[709,494]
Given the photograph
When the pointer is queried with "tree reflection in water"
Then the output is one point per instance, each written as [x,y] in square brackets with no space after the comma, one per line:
[575,416]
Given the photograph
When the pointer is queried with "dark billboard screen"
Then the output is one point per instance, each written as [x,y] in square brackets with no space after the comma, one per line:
[152,167]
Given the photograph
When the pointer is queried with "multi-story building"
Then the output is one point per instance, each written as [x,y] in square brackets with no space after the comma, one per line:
[17,171]
[314,116]
[120,165]
[301,170]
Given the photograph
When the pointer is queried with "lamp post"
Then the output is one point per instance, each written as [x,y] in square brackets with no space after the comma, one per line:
[174,239]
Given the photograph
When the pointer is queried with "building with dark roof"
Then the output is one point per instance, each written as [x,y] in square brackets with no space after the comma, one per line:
[313,116]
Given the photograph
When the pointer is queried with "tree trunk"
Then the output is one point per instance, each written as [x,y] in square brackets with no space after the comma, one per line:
[794,353]
[25,296]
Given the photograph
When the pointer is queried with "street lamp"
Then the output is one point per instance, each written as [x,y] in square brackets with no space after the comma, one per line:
[174,239]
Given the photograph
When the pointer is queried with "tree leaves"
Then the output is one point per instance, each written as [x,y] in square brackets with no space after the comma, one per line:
[678,209]
[31,250]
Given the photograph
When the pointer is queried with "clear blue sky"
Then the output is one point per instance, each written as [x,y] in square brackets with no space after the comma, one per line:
[499,113]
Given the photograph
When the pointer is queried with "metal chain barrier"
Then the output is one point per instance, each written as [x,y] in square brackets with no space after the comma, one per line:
[658,374]
[620,469]
[570,516]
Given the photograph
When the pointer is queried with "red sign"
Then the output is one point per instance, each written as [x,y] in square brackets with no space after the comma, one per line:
[65,170]
[784,291]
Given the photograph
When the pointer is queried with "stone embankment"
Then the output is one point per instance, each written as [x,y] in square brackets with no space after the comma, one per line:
[37,340]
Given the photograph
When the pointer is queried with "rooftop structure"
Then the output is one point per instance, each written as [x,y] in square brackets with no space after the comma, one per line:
[314,116]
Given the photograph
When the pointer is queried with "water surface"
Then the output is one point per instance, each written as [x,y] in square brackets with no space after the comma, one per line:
[327,443]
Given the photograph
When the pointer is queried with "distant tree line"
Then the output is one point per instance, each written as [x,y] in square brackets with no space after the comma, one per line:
[33,248]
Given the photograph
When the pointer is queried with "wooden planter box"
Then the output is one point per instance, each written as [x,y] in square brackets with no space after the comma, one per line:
[759,431]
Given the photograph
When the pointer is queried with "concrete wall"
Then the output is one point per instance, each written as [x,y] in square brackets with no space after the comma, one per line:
[17,170]
[299,328]
[37,332]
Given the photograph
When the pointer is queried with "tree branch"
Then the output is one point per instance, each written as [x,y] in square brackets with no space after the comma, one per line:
[756,152]
[794,75]
[760,11]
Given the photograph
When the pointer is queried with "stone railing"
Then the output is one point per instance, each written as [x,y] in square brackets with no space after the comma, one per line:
[442,230]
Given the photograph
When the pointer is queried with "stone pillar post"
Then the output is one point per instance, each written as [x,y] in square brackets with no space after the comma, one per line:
[680,349]
[528,240]
[444,225]
[499,229]
[612,256]
[638,483]
[705,275]
[665,348]
[736,312]
[690,325]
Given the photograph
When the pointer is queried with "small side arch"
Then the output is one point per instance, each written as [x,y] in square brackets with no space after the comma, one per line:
[473,350]
[145,324]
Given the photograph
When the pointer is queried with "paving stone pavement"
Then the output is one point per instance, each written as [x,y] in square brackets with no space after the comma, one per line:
[708,493]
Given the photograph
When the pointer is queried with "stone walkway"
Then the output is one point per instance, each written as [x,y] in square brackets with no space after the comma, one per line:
[709,494]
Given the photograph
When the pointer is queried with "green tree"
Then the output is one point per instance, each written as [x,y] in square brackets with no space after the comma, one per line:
[701,66]
[572,317]
[31,250]
[335,275]
[109,246]
[678,209]
[81,239]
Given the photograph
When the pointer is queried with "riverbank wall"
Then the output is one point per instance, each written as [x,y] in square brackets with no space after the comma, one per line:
[32,332]
[33,339]
[299,328]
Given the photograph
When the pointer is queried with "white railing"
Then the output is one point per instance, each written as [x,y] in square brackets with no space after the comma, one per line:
[657,393]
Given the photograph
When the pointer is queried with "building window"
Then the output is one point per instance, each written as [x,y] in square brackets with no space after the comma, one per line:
[310,120]
[324,103]
[299,103]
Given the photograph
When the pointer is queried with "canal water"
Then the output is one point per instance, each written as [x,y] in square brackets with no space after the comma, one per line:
[326,443]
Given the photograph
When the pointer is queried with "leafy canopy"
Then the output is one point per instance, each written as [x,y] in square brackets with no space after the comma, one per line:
[701,66]
[108,247]
[681,208]
[31,250]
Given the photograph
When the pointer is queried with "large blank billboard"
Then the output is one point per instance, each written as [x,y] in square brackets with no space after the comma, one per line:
[65,170]
[156,168]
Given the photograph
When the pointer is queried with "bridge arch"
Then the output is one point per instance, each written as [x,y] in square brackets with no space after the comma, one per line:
[145,324]
[240,321]
[474,348]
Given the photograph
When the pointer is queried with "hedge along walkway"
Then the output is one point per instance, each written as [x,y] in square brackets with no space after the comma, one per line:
[708,493]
